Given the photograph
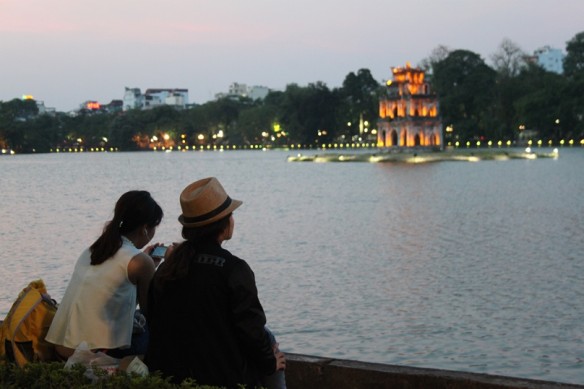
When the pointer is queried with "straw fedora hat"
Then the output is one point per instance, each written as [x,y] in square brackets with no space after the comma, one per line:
[204,202]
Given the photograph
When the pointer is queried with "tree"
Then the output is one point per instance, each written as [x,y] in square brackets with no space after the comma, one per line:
[224,114]
[438,54]
[256,123]
[123,128]
[574,61]
[573,97]
[465,86]
[15,117]
[17,109]
[540,105]
[358,100]
[308,114]
[509,59]
[41,134]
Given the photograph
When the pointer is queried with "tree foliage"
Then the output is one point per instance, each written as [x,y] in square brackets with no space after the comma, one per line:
[465,87]
[438,54]
[509,59]
[358,100]
[574,61]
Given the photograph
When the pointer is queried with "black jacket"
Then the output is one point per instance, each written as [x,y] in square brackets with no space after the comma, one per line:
[209,325]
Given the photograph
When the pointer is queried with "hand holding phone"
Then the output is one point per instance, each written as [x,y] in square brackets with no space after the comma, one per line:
[158,252]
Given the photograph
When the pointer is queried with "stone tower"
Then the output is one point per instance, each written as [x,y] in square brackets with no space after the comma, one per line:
[408,113]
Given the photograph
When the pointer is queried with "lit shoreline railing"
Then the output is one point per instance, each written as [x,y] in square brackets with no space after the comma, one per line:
[324,146]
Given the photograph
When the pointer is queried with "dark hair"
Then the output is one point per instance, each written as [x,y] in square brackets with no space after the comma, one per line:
[133,209]
[177,264]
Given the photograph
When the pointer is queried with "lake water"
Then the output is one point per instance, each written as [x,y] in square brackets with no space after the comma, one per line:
[454,265]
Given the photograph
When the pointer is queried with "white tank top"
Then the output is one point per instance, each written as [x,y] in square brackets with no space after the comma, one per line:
[99,303]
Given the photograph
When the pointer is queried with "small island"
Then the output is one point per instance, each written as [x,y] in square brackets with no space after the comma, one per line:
[426,156]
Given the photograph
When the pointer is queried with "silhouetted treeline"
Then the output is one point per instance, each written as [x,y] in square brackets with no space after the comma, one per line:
[477,102]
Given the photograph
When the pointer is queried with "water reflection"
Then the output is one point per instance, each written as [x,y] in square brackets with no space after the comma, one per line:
[465,266]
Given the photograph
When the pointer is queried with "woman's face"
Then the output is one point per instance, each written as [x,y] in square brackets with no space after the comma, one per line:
[146,236]
[151,233]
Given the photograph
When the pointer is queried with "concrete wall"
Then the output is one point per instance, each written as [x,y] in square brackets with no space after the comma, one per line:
[306,372]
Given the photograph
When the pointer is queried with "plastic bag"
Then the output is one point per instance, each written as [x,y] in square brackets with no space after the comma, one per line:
[139,323]
[91,360]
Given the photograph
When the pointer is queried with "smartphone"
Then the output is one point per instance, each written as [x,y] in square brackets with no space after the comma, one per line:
[158,252]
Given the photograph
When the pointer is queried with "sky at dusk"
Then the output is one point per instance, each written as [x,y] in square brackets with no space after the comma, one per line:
[65,52]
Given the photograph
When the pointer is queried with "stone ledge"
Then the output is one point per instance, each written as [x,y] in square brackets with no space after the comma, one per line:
[306,372]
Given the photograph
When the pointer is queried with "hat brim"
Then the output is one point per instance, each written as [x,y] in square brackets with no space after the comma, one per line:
[232,207]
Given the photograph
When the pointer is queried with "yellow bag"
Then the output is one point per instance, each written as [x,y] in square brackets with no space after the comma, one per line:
[22,334]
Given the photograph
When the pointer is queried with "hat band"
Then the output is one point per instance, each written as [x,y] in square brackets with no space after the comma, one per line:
[209,215]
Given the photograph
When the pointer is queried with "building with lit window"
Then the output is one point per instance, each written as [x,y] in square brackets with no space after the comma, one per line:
[408,112]
[178,98]
[134,99]
[236,90]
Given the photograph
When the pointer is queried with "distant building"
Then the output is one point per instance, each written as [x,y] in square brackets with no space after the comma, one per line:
[408,113]
[42,110]
[90,106]
[45,110]
[134,99]
[242,90]
[113,106]
[258,92]
[178,98]
[549,58]
[237,89]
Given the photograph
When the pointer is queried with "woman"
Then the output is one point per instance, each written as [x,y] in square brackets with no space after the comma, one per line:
[205,318]
[109,278]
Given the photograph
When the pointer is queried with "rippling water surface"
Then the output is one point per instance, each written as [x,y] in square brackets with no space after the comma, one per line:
[453,265]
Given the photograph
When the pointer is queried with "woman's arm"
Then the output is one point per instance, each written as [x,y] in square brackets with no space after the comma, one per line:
[140,272]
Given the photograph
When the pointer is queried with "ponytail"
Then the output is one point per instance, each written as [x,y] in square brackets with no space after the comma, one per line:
[134,208]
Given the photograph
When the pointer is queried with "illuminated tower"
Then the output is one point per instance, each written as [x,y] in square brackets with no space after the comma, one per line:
[408,113]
